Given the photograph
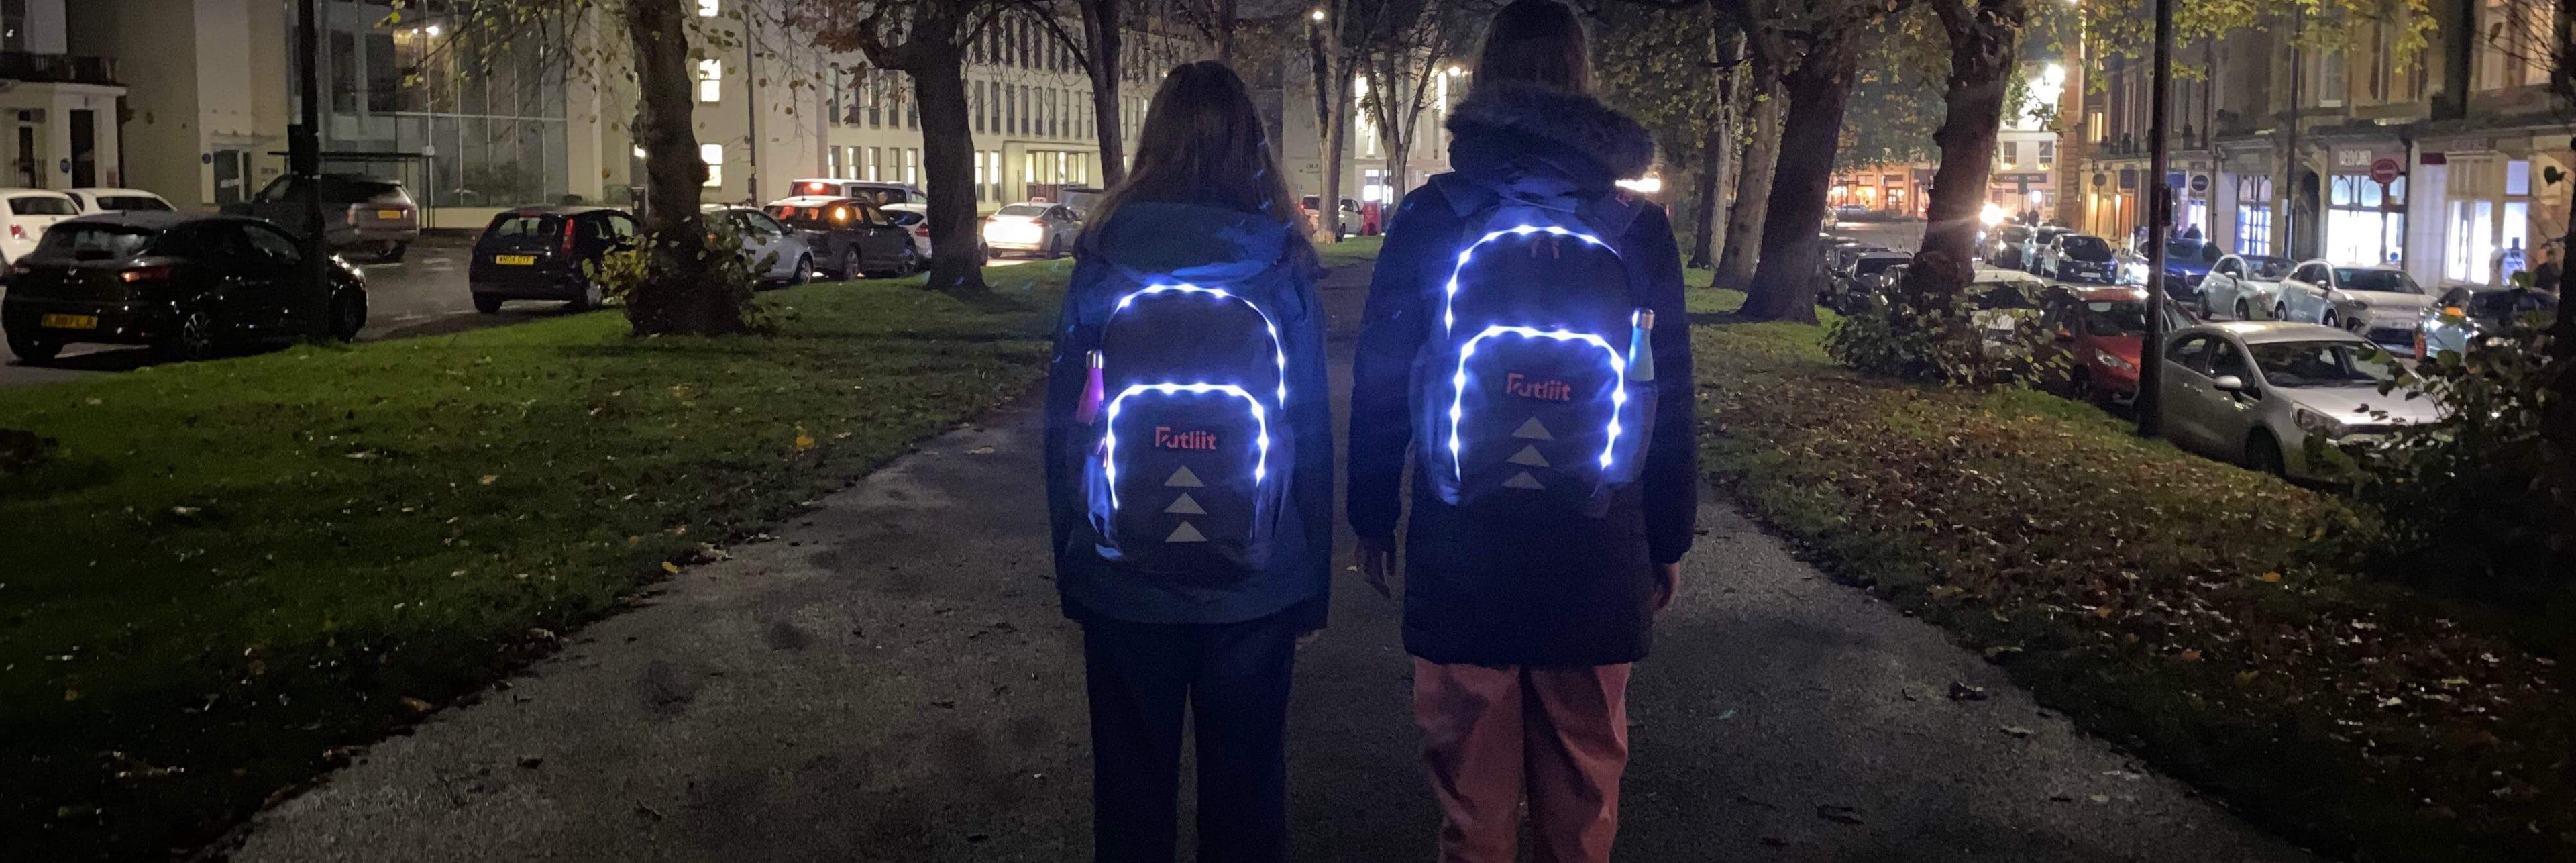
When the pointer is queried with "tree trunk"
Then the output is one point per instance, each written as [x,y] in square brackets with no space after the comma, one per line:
[1329,204]
[1784,281]
[1225,12]
[1101,20]
[1755,170]
[947,155]
[2558,417]
[1980,65]
[1712,159]
[682,296]
[1330,114]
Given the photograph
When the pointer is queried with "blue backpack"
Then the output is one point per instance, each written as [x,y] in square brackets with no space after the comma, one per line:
[1534,394]
[1181,425]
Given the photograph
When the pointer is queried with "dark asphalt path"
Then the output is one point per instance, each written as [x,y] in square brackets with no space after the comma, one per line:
[888,679]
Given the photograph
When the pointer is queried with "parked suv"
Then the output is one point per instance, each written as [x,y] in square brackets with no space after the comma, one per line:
[359,213]
[537,253]
[852,237]
[2382,304]
[869,190]
[182,283]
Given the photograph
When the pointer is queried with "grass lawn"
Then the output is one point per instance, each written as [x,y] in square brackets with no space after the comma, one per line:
[2195,612]
[231,568]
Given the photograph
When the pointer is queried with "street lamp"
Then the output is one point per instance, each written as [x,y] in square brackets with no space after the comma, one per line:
[1316,16]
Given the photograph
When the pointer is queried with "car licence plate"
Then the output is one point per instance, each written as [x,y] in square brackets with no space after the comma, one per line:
[70,322]
[390,214]
[515,260]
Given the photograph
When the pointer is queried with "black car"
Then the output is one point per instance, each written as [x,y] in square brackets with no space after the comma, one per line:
[182,283]
[851,237]
[537,253]
[2082,257]
[359,213]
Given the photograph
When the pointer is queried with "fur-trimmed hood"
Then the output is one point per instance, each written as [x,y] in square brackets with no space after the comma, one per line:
[1509,130]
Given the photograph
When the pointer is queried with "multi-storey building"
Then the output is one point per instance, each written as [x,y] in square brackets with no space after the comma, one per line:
[60,108]
[2355,151]
[475,122]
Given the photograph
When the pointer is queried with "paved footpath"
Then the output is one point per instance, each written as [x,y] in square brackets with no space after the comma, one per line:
[890,679]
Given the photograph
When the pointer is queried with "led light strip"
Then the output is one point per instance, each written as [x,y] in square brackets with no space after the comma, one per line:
[1458,384]
[1109,434]
[1278,349]
[1449,298]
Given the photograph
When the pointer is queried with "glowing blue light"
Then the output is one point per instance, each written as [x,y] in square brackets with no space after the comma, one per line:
[1449,300]
[1278,349]
[1458,395]
[1109,437]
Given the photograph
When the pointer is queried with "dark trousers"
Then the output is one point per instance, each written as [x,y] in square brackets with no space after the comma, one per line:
[1234,679]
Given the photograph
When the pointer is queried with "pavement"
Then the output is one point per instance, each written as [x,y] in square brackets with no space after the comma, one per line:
[887,677]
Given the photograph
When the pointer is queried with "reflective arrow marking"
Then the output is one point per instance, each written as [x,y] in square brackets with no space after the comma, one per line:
[1532,430]
[1183,478]
[1528,457]
[1186,533]
[1523,480]
[1185,506]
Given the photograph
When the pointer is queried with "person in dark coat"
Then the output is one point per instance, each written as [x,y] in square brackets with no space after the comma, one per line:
[1522,639]
[1204,206]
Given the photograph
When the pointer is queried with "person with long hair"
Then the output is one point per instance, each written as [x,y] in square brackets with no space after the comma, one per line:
[1189,474]
[1526,598]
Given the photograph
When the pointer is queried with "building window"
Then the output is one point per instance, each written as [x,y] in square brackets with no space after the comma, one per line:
[13,25]
[2366,222]
[708,8]
[912,165]
[713,155]
[711,81]
[2254,215]
[2047,154]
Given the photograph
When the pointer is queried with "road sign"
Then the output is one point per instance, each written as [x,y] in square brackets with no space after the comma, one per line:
[2385,170]
[2199,183]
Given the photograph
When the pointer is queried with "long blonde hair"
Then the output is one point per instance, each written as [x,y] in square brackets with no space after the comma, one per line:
[1203,144]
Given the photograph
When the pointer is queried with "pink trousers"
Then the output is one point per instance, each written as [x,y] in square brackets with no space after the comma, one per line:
[1488,734]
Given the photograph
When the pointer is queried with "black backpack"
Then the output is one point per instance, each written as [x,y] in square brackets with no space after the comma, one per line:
[1181,425]
[1534,394]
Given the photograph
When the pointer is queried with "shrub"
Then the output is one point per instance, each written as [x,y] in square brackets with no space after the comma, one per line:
[1930,332]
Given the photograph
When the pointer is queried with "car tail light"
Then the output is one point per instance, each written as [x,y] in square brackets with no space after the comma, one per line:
[921,230]
[145,274]
[18,232]
[350,215]
[567,237]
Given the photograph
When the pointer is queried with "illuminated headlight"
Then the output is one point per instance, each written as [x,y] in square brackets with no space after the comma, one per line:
[2113,360]
[2317,423]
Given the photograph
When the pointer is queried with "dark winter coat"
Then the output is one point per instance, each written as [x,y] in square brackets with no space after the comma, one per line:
[1506,594]
[1148,242]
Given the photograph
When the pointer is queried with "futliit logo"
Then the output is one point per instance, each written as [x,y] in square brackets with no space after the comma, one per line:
[1166,438]
[1550,390]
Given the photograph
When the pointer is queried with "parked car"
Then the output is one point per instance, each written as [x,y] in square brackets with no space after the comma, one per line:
[2003,245]
[1350,212]
[30,212]
[106,200]
[1868,275]
[776,253]
[2253,393]
[1081,199]
[2187,263]
[915,220]
[872,191]
[2242,287]
[2078,257]
[1042,230]
[2383,304]
[359,213]
[2003,307]
[1839,256]
[2094,338]
[2468,311]
[852,236]
[184,284]
[2039,239]
[538,253]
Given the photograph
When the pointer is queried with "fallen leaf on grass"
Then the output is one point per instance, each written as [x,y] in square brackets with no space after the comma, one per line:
[2269,578]
[2017,731]
[1963,692]
[1838,814]
[2192,655]
[981,450]
[803,441]
[417,705]
[489,478]
[670,567]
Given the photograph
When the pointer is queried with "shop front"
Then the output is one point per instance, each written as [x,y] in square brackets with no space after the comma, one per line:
[2498,209]
[2365,216]
[2242,199]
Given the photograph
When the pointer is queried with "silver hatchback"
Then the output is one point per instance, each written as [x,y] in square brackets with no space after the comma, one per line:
[2253,393]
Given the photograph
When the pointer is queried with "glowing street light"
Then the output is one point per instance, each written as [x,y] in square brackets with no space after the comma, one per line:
[1316,16]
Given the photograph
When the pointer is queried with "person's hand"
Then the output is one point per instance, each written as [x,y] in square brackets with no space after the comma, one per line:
[1668,584]
[1377,563]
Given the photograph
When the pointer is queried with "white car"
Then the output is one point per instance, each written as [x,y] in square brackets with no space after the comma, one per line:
[2242,287]
[2382,304]
[30,212]
[1039,228]
[108,200]
[2253,393]
[778,255]
[914,219]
